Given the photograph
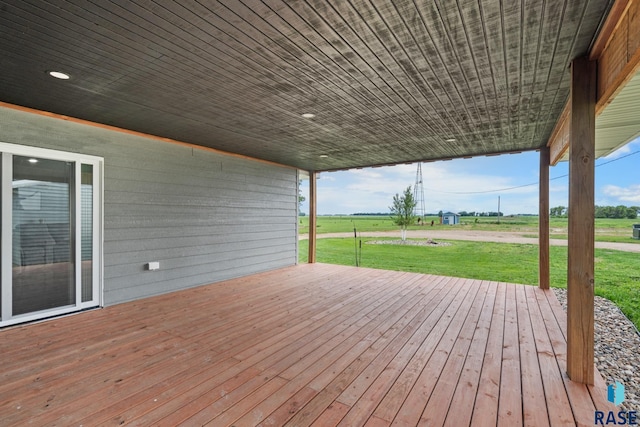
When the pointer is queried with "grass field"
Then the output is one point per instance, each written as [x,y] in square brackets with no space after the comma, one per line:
[617,273]
[608,230]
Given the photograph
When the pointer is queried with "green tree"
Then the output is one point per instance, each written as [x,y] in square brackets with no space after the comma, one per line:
[402,210]
[301,198]
[617,212]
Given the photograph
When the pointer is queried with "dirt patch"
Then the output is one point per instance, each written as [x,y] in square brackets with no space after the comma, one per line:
[427,242]
[478,236]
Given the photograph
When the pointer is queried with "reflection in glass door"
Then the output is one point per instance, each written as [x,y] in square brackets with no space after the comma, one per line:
[43,261]
[86,237]
[50,235]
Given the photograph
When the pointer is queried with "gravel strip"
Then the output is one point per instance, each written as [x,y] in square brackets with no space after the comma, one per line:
[617,346]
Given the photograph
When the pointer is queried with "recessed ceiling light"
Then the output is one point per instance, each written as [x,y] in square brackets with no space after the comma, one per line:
[451,140]
[308,115]
[59,75]
[33,160]
[323,156]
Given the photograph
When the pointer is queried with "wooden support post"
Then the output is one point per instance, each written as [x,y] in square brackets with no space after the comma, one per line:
[543,220]
[312,217]
[580,268]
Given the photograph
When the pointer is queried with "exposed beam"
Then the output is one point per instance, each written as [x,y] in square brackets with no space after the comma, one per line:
[617,52]
[614,18]
[580,268]
[312,217]
[620,58]
[559,140]
[543,221]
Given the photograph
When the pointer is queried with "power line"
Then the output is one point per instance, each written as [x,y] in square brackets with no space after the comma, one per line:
[531,184]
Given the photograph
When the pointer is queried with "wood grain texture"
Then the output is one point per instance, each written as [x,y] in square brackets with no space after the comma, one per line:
[611,24]
[619,60]
[313,208]
[617,54]
[559,141]
[580,265]
[311,344]
[389,81]
[543,220]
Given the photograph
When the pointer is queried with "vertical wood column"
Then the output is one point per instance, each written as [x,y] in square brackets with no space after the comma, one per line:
[312,217]
[580,268]
[543,221]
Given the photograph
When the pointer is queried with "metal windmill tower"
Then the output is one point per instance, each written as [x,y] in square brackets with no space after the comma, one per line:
[418,195]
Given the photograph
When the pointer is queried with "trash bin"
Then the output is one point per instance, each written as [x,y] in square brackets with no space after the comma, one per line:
[636,231]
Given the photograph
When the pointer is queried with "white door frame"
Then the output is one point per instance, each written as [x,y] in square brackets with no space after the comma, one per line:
[7,151]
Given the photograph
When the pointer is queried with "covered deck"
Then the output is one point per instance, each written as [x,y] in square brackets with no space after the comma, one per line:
[312,344]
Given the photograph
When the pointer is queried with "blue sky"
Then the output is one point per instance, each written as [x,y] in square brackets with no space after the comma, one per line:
[467,184]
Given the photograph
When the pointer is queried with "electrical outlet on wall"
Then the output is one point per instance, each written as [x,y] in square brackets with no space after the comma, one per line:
[155,265]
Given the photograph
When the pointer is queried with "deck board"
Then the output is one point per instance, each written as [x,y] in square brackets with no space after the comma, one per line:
[436,411]
[307,345]
[467,386]
[535,412]
[511,401]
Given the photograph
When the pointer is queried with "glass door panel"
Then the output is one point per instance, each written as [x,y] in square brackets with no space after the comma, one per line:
[50,233]
[43,264]
[86,235]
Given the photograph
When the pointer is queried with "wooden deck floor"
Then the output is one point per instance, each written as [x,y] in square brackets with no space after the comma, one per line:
[308,345]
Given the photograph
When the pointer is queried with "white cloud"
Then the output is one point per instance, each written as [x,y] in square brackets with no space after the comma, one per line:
[447,186]
[467,184]
[625,149]
[630,194]
[325,177]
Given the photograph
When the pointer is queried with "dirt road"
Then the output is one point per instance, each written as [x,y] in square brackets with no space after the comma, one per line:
[478,236]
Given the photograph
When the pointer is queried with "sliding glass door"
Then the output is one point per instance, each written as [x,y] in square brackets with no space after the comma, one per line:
[50,234]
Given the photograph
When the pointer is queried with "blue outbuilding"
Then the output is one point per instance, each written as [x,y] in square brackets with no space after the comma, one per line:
[450,218]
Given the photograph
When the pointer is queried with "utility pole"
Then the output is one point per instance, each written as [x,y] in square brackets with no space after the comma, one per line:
[498,209]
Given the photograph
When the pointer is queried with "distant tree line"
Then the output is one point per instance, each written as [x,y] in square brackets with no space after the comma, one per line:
[370,214]
[439,214]
[620,211]
[473,213]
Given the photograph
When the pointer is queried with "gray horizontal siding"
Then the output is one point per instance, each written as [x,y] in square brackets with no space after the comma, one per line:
[205,217]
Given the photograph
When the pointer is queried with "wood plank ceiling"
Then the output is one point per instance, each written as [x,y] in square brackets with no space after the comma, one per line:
[388,81]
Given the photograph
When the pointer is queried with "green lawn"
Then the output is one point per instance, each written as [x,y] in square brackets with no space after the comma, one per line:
[617,273]
[607,230]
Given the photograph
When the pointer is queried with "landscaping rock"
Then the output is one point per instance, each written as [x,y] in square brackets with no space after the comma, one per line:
[617,348]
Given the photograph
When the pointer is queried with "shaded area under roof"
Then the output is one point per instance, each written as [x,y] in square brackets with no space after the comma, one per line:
[388,81]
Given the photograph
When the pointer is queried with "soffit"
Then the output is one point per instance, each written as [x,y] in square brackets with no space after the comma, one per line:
[388,81]
[619,122]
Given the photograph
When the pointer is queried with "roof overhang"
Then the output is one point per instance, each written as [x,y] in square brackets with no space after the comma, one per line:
[617,56]
[389,82]
[619,122]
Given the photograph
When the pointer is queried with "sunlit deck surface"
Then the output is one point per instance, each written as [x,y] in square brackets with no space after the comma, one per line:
[308,345]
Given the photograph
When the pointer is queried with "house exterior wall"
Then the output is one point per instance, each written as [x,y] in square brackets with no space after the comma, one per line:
[204,216]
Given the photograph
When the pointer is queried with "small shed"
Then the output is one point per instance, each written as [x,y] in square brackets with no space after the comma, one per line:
[450,218]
